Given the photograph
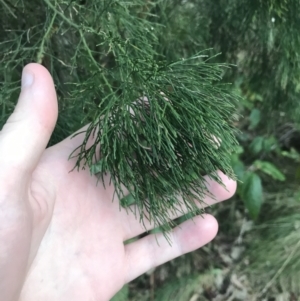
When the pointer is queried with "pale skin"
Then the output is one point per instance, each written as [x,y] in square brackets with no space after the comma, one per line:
[61,236]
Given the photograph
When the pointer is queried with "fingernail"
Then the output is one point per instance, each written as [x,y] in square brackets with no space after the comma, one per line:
[27,79]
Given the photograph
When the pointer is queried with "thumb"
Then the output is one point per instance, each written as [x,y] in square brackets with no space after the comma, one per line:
[26,133]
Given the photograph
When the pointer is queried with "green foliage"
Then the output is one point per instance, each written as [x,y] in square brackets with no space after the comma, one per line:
[158,145]
[252,193]
[269,169]
[262,37]
[255,117]
[122,295]
[273,245]
[184,288]
[250,172]
[136,72]
[292,154]
[161,120]
[257,145]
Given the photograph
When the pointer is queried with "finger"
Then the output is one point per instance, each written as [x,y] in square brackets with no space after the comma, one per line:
[26,133]
[216,192]
[154,250]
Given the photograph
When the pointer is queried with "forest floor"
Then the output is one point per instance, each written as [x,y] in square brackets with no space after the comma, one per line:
[217,272]
[236,266]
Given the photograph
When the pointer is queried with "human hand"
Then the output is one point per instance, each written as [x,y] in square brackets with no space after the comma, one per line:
[81,232]
[26,197]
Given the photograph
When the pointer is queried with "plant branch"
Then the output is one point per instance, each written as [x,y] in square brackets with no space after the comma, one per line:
[61,14]
[40,54]
[8,8]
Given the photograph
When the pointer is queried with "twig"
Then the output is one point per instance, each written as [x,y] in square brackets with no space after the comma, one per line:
[61,14]
[89,50]
[8,8]
[71,23]
[269,284]
[40,54]
[93,60]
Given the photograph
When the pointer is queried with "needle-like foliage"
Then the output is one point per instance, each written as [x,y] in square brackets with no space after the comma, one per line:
[159,121]
[159,130]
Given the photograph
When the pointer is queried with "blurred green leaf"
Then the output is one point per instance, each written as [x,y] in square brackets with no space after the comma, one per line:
[238,167]
[239,150]
[254,117]
[270,143]
[269,169]
[122,295]
[252,194]
[257,144]
[292,154]
[244,136]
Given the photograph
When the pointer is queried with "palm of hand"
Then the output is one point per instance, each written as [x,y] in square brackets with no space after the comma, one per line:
[74,260]
[72,246]
[82,255]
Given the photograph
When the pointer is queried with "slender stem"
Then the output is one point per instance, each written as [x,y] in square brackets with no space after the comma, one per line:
[40,54]
[93,59]
[61,14]
[9,9]
[269,284]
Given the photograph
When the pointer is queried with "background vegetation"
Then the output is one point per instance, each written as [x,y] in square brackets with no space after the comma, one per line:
[89,45]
